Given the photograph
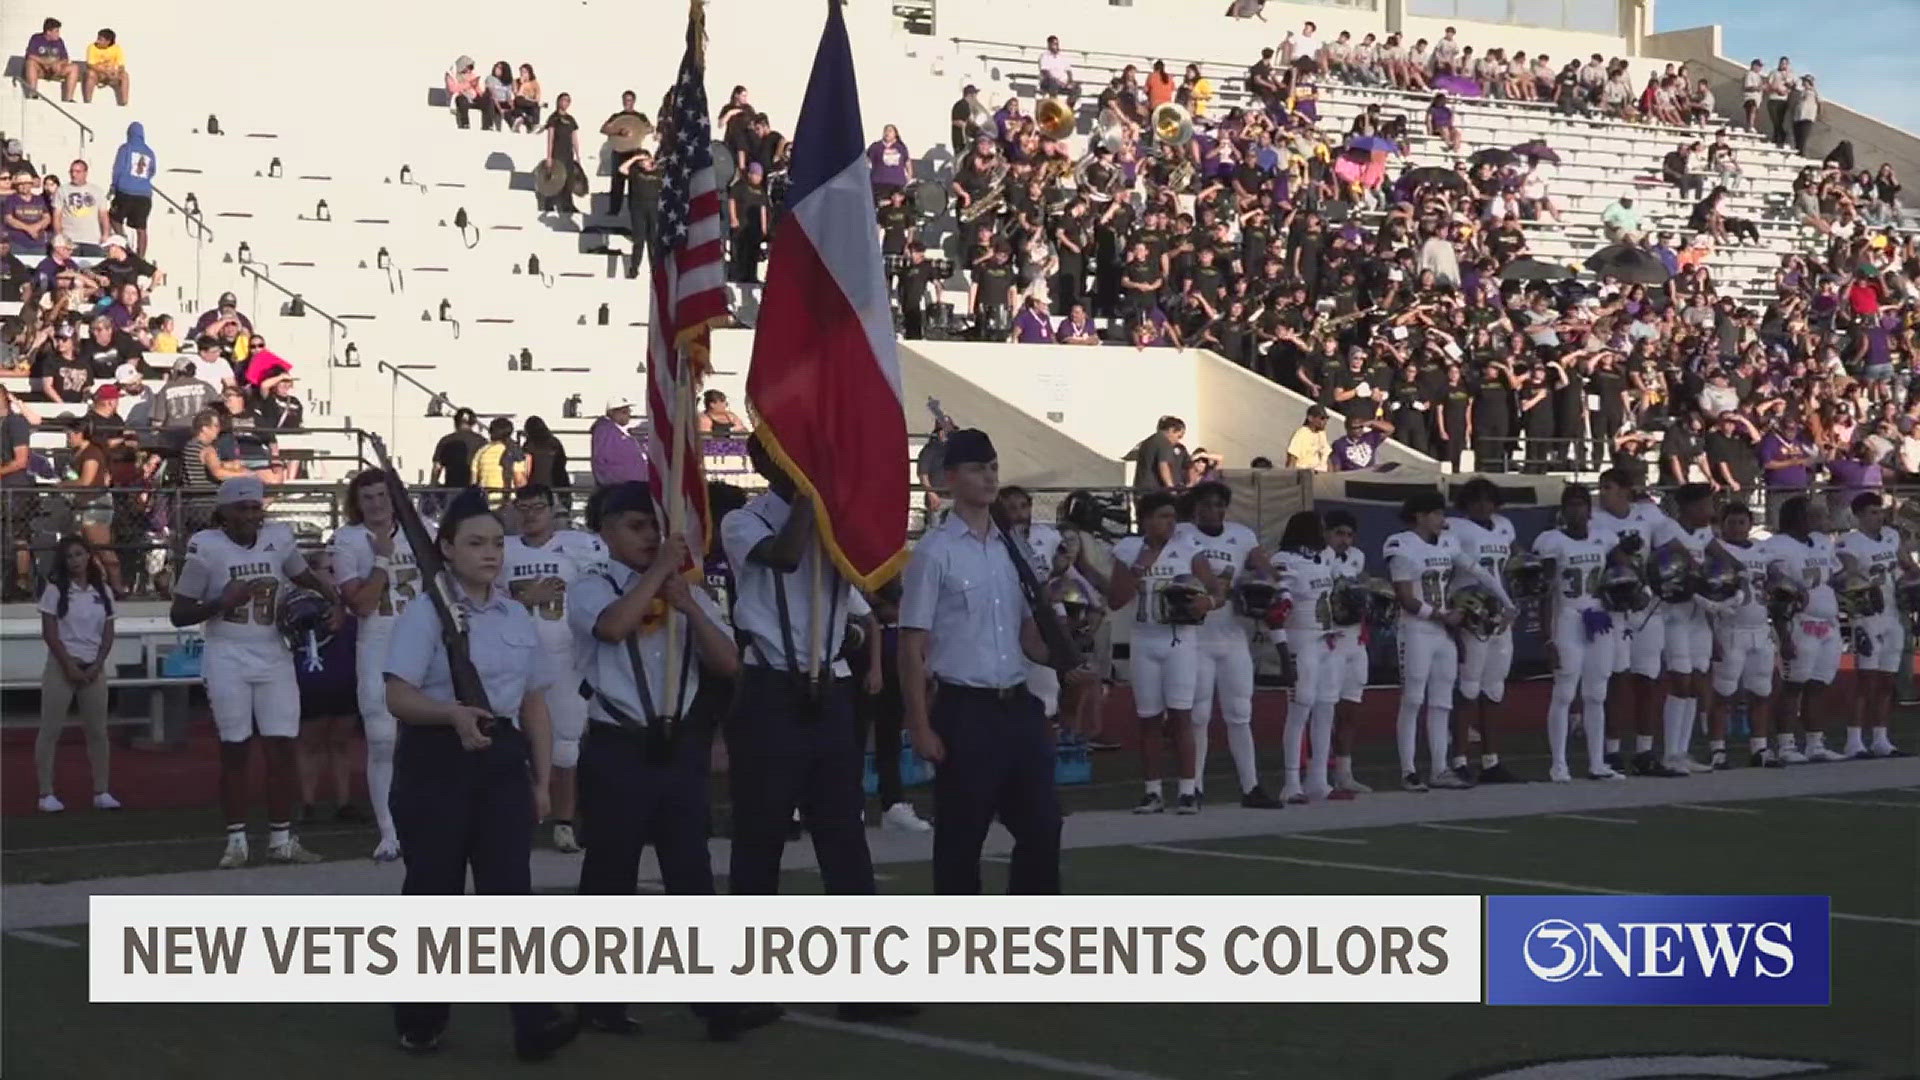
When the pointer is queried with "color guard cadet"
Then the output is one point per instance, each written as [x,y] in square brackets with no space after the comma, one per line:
[468,785]
[643,763]
[965,622]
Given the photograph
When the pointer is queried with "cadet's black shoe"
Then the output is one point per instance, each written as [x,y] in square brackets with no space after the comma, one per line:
[545,1042]
[1617,762]
[867,1012]
[1499,774]
[608,1020]
[733,1021]
[1645,763]
[420,1042]
[1258,799]
[795,828]
[1661,768]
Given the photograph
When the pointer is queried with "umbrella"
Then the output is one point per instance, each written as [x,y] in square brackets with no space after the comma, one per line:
[1373,143]
[1433,174]
[1633,265]
[1494,156]
[1537,151]
[1534,270]
[1458,84]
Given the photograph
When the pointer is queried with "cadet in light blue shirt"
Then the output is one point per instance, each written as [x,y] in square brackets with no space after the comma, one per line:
[965,621]
[470,782]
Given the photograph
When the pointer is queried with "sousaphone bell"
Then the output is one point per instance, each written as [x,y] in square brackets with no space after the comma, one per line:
[1172,125]
[1053,118]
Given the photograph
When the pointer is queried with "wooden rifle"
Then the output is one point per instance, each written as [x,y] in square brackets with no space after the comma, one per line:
[438,584]
[1062,654]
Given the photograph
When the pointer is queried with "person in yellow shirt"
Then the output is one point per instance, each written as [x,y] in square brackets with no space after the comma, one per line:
[1196,90]
[107,66]
[499,468]
[1309,449]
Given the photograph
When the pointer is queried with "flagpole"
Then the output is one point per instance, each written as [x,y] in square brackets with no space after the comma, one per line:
[680,412]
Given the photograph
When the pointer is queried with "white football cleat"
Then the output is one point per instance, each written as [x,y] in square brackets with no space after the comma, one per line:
[1885,749]
[1691,765]
[105,801]
[1317,793]
[1292,794]
[51,804]
[1560,774]
[1351,786]
[1821,753]
[563,841]
[290,852]
[1605,772]
[389,849]
[236,855]
[1447,778]
[901,817]
[1790,756]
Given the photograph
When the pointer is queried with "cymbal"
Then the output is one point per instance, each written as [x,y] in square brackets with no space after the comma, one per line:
[628,132]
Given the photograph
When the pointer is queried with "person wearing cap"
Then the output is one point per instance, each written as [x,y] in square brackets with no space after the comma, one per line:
[961,115]
[471,777]
[59,270]
[223,313]
[232,583]
[617,455]
[136,401]
[966,630]
[1309,449]
[122,266]
[644,762]
[182,397]
[58,374]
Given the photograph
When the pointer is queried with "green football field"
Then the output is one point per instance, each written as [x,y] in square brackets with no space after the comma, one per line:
[1862,848]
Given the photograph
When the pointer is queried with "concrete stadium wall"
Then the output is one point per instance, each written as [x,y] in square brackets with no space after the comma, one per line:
[1875,142]
[1032,452]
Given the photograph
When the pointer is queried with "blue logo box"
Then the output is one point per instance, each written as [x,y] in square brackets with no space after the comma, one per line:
[1658,950]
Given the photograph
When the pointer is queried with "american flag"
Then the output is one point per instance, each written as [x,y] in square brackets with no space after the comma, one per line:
[689,294]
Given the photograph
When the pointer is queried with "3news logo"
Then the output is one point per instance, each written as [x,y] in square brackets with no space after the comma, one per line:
[1658,950]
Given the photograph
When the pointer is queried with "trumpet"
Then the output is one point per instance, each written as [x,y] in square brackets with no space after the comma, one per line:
[1053,118]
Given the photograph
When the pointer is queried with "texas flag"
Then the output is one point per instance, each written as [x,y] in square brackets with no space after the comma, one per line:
[824,385]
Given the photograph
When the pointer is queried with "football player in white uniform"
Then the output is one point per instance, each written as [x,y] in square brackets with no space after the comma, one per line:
[1423,561]
[1305,629]
[542,563]
[1811,648]
[1226,549]
[374,564]
[1689,638]
[1744,644]
[1164,656]
[1486,537]
[1633,697]
[1874,549]
[1581,642]
[1054,555]
[1349,655]
[233,579]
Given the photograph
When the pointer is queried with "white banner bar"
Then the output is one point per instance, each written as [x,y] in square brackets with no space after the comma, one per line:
[785,948]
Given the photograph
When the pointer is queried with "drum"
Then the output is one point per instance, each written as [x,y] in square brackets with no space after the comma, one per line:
[929,199]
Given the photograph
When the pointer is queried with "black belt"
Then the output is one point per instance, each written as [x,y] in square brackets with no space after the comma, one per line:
[1001,694]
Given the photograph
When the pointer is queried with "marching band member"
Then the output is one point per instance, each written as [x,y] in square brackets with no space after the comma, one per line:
[542,564]
[235,576]
[1875,549]
[1224,661]
[1486,537]
[1154,571]
[374,564]
[1423,561]
[1582,641]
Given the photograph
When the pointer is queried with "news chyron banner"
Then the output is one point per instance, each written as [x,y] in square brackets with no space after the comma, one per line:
[1658,950]
[932,949]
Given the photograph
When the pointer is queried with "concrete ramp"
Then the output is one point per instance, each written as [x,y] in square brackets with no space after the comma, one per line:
[1033,451]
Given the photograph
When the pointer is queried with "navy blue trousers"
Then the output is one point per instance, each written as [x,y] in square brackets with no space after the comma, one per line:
[786,752]
[999,763]
[455,810]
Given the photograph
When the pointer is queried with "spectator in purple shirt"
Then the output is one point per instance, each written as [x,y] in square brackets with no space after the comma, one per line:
[1849,476]
[1359,448]
[617,455]
[1031,326]
[1076,328]
[1787,457]
[47,59]
[25,215]
[891,163]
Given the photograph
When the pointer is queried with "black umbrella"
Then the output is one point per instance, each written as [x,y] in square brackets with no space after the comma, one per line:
[1433,174]
[1629,264]
[1494,156]
[1534,270]
[1537,151]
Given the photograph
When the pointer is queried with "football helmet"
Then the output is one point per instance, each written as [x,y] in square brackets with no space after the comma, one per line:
[1622,590]
[1719,578]
[1858,596]
[1906,594]
[1479,610]
[1383,603]
[1348,602]
[1671,575]
[1786,594]
[1526,577]
[1253,596]
[303,624]
[1077,605]
[1177,603]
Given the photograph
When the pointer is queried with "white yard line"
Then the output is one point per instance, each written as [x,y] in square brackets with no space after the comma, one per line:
[1438,826]
[1705,808]
[1596,819]
[1316,838]
[39,938]
[971,1048]
[1459,875]
[1885,804]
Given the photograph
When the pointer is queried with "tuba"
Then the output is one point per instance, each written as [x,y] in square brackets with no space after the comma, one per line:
[979,119]
[1172,125]
[1053,118]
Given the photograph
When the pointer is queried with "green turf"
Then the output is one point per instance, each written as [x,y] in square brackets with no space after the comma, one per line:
[1863,856]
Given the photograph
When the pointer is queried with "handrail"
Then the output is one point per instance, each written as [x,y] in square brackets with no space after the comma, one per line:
[247,268]
[435,395]
[86,132]
[195,218]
